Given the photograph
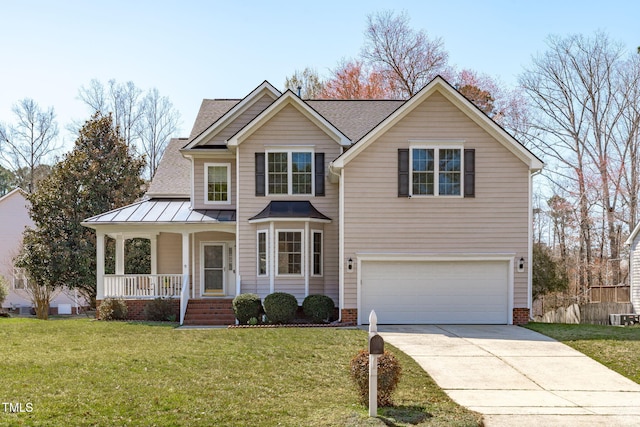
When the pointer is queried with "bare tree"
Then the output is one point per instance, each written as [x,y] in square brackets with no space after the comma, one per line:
[581,100]
[408,58]
[27,143]
[158,122]
[122,100]
[307,82]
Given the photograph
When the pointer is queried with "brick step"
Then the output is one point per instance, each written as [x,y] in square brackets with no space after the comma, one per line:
[210,312]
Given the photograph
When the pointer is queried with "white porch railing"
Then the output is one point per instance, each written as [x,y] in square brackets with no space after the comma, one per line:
[184,297]
[143,285]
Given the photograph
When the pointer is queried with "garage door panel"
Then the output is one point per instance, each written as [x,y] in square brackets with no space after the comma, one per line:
[435,292]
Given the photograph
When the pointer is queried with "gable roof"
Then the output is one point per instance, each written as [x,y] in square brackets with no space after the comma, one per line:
[173,176]
[289,98]
[440,85]
[12,193]
[230,115]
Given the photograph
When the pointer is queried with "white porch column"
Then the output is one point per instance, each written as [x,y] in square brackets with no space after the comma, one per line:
[307,247]
[119,255]
[99,265]
[185,253]
[154,254]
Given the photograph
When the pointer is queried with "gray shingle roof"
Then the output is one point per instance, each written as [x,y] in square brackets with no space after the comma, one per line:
[354,118]
[173,176]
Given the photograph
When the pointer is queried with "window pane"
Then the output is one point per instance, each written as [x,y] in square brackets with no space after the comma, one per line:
[317,254]
[422,173]
[301,173]
[449,177]
[217,185]
[289,252]
[262,254]
[277,168]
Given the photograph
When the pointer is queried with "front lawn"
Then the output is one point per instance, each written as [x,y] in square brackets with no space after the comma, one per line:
[615,347]
[82,372]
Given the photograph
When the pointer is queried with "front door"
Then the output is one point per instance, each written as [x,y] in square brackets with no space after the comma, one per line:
[214,268]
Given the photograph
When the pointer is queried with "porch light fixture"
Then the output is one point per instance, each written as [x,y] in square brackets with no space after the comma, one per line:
[521,265]
[350,265]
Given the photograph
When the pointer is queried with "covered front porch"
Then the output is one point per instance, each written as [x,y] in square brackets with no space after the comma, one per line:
[192,253]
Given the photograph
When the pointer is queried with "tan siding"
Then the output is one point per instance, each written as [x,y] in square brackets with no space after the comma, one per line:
[288,127]
[635,275]
[495,221]
[199,185]
[169,253]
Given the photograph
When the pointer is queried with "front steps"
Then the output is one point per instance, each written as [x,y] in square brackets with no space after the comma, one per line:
[207,312]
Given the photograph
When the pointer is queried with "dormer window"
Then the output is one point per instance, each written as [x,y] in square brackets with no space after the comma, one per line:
[217,179]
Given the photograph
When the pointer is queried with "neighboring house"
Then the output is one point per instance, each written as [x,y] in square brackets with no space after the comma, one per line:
[634,268]
[419,209]
[14,218]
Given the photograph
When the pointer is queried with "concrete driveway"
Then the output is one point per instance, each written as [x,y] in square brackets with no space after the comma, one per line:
[514,376]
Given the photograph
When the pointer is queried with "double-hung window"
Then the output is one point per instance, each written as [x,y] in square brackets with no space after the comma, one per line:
[436,171]
[290,172]
[289,254]
[217,183]
[263,260]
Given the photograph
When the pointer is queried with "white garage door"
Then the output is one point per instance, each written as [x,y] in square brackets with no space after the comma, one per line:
[454,292]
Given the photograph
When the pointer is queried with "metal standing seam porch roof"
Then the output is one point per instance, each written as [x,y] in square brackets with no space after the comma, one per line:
[164,211]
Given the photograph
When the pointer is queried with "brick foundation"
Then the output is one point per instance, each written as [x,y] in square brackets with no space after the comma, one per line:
[135,308]
[350,315]
[520,316]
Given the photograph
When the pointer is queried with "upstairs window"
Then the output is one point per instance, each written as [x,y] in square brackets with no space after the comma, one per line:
[436,171]
[217,180]
[290,172]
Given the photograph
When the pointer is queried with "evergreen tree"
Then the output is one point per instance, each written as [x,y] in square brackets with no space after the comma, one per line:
[98,175]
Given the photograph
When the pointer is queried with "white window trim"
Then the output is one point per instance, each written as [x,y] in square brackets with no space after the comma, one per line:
[206,184]
[289,151]
[312,253]
[277,251]
[266,250]
[436,172]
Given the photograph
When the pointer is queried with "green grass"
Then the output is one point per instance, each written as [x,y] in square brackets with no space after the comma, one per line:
[615,347]
[81,372]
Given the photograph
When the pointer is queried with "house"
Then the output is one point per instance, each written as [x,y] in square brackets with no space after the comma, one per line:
[419,209]
[634,268]
[14,218]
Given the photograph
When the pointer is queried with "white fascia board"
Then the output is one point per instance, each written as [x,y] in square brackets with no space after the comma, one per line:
[289,98]
[633,235]
[432,257]
[235,111]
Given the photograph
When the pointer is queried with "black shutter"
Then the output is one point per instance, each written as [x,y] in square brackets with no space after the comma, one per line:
[260,176]
[403,172]
[319,172]
[469,173]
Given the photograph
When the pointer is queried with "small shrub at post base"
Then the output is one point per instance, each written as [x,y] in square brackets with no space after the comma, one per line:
[247,307]
[318,308]
[159,310]
[280,307]
[112,309]
[389,372]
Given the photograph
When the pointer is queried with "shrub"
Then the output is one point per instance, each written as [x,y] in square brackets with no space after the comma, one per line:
[159,310]
[280,307]
[389,372]
[318,308]
[246,307]
[4,290]
[112,309]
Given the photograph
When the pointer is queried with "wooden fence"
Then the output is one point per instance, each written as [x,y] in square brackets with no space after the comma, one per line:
[609,294]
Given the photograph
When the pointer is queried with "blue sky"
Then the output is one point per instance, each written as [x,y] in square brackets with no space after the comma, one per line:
[191,50]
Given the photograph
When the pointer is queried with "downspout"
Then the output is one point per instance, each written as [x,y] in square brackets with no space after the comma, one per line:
[340,175]
[530,246]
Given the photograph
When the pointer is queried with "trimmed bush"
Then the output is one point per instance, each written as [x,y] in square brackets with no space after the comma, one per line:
[112,309]
[159,310]
[318,308]
[280,307]
[389,372]
[247,307]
